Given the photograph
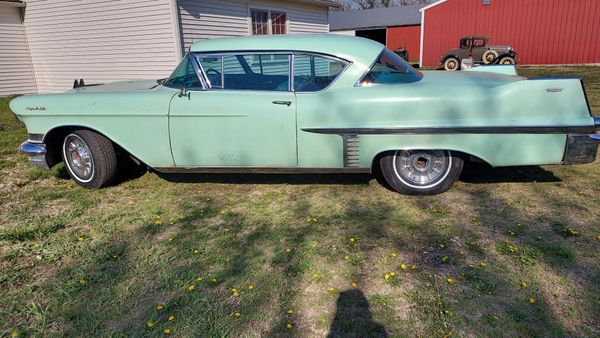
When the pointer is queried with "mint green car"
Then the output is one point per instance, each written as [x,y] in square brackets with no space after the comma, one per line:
[311,103]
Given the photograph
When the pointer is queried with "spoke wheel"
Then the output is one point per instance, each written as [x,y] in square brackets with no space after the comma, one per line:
[78,158]
[89,158]
[420,172]
[452,64]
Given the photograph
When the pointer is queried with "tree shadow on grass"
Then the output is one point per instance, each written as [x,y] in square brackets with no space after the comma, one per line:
[484,173]
[353,318]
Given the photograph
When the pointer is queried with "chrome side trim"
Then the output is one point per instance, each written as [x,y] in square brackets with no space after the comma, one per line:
[35,137]
[351,151]
[459,130]
[36,154]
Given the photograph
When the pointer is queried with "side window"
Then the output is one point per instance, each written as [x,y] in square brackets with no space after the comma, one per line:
[313,73]
[184,76]
[212,68]
[257,72]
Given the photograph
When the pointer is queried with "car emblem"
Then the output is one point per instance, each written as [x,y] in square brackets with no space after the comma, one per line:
[554,90]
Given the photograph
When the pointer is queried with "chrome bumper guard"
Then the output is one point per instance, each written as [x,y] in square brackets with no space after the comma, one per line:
[36,153]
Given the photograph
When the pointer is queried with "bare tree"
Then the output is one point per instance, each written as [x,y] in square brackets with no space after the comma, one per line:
[367,4]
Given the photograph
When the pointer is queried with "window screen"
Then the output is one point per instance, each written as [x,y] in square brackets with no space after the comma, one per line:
[314,73]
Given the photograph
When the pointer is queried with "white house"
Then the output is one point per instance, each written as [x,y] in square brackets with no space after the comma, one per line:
[46,44]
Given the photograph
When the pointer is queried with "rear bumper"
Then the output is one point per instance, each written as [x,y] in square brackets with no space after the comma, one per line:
[581,148]
[36,153]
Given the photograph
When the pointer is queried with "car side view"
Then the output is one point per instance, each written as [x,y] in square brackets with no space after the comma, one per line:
[310,103]
[477,47]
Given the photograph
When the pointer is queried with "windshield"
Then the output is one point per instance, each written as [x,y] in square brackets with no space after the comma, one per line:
[183,76]
[390,68]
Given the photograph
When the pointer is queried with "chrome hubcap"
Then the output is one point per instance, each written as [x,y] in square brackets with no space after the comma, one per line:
[422,168]
[78,157]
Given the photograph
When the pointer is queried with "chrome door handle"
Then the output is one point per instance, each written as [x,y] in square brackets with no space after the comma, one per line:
[287,103]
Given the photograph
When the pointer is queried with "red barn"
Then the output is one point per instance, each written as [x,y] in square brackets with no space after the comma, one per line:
[541,31]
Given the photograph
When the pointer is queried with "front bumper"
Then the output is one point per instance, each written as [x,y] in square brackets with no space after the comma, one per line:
[36,153]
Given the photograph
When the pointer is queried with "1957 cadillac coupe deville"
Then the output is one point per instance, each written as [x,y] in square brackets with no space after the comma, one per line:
[321,103]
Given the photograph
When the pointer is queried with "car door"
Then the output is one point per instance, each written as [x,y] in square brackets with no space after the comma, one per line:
[245,117]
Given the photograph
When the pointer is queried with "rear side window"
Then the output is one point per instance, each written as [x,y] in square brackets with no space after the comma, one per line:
[313,73]
[390,68]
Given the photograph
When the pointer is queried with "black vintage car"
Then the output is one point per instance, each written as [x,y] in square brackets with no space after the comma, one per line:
[477,47]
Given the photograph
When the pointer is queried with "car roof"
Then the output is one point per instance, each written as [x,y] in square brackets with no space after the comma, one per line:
[354,49]
[475,37]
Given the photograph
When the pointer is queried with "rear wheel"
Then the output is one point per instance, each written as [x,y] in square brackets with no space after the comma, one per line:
[421,172]
[452,64]
[89,158]
[507,60]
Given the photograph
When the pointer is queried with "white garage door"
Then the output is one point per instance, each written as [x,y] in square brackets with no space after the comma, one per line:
[16,73]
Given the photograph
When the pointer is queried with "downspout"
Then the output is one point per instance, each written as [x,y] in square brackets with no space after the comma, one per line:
[422,34]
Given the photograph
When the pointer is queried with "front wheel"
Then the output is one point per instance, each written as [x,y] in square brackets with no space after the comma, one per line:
[421,172]
[452,64]
[89,158]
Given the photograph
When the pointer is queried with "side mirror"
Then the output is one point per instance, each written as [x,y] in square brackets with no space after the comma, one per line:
[183,92]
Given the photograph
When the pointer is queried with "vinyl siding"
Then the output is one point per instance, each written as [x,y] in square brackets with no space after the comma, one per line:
[100,41]
[16,73]
[216,18]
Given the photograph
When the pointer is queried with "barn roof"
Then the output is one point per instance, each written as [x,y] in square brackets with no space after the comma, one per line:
[375,18]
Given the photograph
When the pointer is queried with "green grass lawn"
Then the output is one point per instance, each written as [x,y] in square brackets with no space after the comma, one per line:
[506,252]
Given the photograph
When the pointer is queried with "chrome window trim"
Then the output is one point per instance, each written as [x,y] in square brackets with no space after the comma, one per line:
[198,76]
[291,53]
[360,79]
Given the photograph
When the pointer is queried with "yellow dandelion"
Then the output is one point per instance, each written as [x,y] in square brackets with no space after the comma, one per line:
[191,287]
[288,250]
[81,238]
[403,267]
[316,275]
[412,267]
[214,280]
[598,237]
[170,238]
[531,300]
[496,318]
[235,294]
[392,274]
[290,325]
[150,324]
[445,259]
[290,312]
[352,239]
[354,285]
[199,279]
[226,229]
[158,221]
[130,202]
[237,314]
[14,334]
[331,289]
[394,254]
[450,280]
[387,276]
[196,251]
[524,285]
[82,282]
[346,257]
[314,220]
[442,246]
[160,307]
[171,318]
[251,286]
[167,331]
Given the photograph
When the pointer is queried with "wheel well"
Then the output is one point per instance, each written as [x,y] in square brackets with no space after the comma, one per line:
[54,139]
[451,56]
[376,169]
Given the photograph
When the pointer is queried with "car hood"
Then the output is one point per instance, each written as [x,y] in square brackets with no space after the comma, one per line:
[467,79]
[119,86]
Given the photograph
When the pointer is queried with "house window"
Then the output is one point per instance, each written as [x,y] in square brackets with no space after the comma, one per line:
[268,22]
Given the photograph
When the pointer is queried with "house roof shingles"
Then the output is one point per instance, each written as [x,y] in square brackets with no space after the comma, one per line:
[375,17]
